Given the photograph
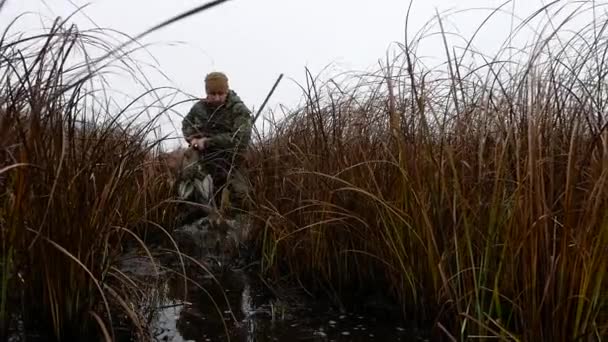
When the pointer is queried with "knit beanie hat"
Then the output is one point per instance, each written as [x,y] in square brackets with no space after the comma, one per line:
[216,82]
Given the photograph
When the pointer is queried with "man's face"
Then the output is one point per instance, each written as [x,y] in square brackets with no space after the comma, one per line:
[216,98]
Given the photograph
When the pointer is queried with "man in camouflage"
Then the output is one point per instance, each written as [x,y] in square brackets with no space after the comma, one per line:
[219,128]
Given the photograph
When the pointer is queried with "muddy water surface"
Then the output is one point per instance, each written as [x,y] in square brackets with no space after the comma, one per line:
[234,305]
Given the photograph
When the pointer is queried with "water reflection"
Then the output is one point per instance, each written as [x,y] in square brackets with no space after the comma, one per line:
[238,308]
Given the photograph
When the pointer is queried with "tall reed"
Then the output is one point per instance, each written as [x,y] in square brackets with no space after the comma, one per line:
[476,194]
[77,182]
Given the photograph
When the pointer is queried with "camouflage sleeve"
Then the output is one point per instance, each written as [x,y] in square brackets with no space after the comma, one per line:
[240,135]
[193,121]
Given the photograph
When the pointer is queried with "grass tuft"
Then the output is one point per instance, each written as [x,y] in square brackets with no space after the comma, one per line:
[475,192]
[78,181]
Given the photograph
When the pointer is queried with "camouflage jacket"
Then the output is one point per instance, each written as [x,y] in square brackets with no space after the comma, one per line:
[229,125]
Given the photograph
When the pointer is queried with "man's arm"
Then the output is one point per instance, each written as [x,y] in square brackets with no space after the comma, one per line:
[193,122]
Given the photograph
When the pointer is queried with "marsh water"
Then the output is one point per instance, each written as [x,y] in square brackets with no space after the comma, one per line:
[236,305]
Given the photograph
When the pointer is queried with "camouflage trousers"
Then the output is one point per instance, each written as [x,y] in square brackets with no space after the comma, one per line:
[229,190]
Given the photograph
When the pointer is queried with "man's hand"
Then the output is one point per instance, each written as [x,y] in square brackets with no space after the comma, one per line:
[199,143]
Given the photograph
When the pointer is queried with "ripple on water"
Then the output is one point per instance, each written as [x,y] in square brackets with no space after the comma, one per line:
[251,313]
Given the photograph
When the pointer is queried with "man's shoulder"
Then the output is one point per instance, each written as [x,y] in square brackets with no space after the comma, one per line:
[233,98]
[198,107]
[200,103]
[235,103]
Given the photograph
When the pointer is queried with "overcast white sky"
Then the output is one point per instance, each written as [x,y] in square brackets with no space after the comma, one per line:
[253,41]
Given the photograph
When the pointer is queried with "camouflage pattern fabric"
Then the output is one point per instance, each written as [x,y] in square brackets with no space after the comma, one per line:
[229,128]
